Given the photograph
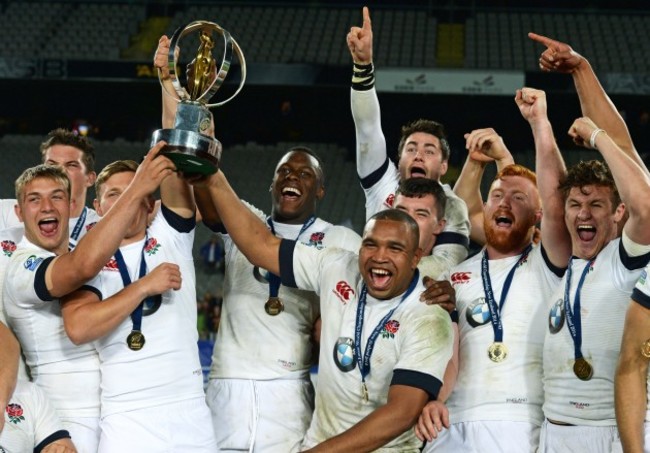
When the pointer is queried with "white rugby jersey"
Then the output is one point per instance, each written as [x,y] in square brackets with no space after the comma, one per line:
[30,421]
[10,237]
[641,295]
[603,303]
[510,390]
[167,368]
[68,374]
[412,349]
[250,343]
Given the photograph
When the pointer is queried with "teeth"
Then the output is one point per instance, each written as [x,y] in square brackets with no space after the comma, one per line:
[586,227]
[292,190]
[51,219]
[380,271]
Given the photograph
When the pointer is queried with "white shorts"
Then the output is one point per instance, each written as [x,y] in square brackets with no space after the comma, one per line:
[84,432]
[579,439]
[260,416]
[486,436]
[182,427]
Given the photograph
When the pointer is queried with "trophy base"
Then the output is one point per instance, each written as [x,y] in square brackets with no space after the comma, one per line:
[191,152]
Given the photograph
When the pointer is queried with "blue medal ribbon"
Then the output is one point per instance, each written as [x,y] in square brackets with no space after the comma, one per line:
[274,280]
[76,231]
[573,320]
[495,311]
[136,315]
[364,361]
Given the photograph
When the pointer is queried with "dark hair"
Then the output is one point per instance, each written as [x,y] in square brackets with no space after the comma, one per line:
[303,149]
[428,127]
[65,137]
[399,216]
[590,173]
[421,187]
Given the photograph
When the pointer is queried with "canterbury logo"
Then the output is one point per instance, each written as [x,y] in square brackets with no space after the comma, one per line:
[460,277]
[344,291]
[390,199]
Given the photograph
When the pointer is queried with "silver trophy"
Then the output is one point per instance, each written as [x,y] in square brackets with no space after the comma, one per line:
[188,145]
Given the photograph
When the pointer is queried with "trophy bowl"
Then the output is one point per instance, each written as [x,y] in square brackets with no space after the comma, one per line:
[191,144]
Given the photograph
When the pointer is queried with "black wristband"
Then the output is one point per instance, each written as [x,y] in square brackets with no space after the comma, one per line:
[363,77]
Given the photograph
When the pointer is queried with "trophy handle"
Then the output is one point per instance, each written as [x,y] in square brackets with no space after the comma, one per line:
[229,44]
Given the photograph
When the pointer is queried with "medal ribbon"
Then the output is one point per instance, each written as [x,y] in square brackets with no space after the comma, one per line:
[274,280]
[495,311]
[364,363]
[136,315]
[573,316]
[76,231]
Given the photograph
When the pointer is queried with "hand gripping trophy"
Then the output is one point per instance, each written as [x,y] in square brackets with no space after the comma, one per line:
[188,144]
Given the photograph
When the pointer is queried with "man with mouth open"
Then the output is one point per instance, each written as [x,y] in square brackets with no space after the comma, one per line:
[501,293]
[423,152]
[259,391]
[587,310]
[76,155]
[384,352]
[42,269]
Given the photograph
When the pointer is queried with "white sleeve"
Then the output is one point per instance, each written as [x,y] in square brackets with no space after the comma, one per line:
[371,143]
[46,422]
[342,237]
[8,216]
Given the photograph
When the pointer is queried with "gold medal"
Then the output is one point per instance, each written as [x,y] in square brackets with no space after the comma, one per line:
[583,369]
[274,306]
[497,352]
[135,341]
[645,349]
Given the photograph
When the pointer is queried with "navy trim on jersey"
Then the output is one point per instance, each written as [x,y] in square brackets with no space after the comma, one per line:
[641,298]
[93,290]
[419,380]
[61,434]
[287,248]
[558,271]
[454,316]
[216,227]
[632,262]
[451,237]
[180,224]
[374,177]
[40,287]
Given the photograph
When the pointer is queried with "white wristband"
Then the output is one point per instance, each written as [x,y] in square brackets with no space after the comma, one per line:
[592,139]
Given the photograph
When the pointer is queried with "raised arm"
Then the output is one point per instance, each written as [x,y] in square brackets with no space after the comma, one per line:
[250,234]
[9,356]
[87,318]
[551,170]
[169,96]
[594,101]
[69,271]
[483,146]
[631,377]
[176,194]
[632,181]
[371,143]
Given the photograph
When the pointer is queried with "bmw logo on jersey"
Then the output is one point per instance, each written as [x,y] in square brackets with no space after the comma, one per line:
[344,354]
[556,317]
[478,313]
